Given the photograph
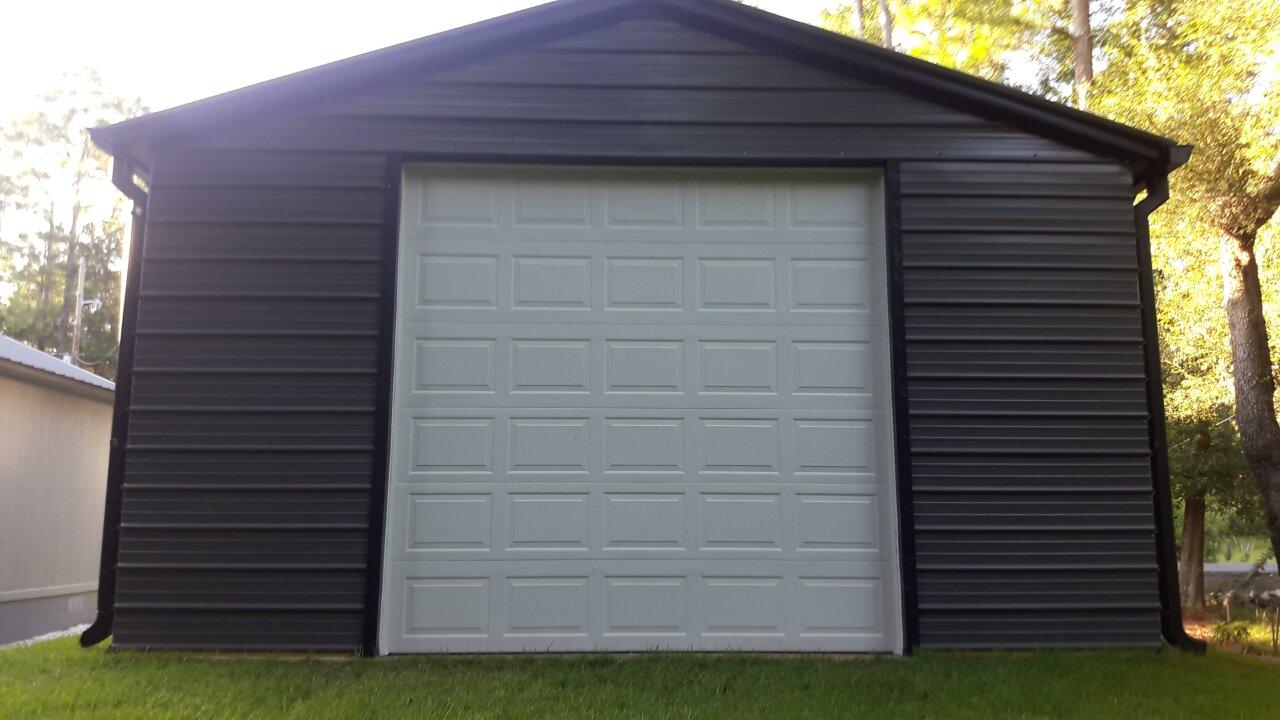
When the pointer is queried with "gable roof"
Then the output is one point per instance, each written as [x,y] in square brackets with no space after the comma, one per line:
[805,43]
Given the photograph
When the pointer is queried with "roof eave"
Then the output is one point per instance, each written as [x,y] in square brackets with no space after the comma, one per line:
[38,376]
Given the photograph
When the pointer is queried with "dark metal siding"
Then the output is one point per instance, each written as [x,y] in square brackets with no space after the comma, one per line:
[1029,448]
[249,469]
[247,476]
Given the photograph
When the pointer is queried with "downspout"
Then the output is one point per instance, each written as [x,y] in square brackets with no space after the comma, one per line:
[122,177]
[1171,628]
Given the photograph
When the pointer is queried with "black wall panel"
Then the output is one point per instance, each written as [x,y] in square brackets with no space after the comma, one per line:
[1029,446]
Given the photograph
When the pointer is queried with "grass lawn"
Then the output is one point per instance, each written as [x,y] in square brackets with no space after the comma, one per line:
[57,679]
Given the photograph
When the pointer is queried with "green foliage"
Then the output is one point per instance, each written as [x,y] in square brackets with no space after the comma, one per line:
[1205,457]
[980,37]
[32,312]
[1205,73]
[1231,633]
[1253,629]
[57,209]
[1237,548]
[976,47]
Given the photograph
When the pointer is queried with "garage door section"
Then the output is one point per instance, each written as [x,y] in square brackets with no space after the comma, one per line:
[640,409]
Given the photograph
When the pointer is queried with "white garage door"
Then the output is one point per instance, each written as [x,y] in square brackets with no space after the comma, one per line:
[639,409]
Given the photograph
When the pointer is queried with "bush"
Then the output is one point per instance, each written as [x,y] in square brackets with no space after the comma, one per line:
[1231,633]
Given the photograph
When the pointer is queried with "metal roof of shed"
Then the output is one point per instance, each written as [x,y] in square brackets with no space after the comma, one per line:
[17,353]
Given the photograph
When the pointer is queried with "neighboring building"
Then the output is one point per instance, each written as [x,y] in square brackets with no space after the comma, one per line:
[633,324]
[55,429]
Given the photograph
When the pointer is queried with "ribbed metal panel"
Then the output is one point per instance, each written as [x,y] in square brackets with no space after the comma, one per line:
[1028,415]
[251,448]
[246,502]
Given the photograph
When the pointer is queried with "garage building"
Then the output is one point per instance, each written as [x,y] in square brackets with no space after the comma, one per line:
[637,324]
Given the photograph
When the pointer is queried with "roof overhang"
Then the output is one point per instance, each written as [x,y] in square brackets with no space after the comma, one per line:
[131,140]
[43,378]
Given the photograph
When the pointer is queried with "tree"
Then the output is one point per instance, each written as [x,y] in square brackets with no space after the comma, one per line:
[1081,50]
[1207,468]
[60,210]
[886,24]
[1207,74]
[980,37]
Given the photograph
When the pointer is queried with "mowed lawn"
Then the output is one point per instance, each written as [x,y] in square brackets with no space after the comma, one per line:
[57,679]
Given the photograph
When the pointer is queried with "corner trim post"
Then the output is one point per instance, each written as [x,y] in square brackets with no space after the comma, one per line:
[104,623]
[382,406]
[1171,628]
[901,421]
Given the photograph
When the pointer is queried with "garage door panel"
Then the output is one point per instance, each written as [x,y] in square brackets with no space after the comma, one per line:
[534,606]
[512,365]
[691,250]
[516,444]
[637,409]
[821,311]
[548,521]
[560,282]
[416,236]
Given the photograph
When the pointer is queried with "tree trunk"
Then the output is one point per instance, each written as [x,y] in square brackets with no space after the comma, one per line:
[886,25]
[859,15]
[66,315]
[42,287]
[70,272]
[1254,385]
[1082,50]
[1191,560]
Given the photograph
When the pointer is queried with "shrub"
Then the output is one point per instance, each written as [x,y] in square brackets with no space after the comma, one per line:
[1233,633]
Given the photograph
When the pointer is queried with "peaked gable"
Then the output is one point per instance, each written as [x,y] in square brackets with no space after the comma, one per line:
[645,86]
[709,44]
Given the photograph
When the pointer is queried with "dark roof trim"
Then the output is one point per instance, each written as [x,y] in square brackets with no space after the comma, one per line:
[724,17]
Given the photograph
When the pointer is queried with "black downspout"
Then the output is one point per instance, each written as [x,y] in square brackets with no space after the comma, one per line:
[103,624]
[1171,628]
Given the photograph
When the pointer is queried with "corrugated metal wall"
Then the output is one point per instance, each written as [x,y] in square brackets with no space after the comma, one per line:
[246,497]
[1029,447]
[249,461]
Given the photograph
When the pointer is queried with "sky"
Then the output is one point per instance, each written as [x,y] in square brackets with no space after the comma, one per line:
[168,53]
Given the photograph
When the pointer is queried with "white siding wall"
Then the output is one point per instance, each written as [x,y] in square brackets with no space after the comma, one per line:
[53,474]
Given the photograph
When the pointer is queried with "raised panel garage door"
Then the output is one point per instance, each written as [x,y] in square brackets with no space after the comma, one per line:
[640,409]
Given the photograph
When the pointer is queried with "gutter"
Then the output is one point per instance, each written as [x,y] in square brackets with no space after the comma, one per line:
[122,174]
[1171,628]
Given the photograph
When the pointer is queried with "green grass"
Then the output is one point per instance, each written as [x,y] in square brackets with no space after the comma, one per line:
[57,680]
